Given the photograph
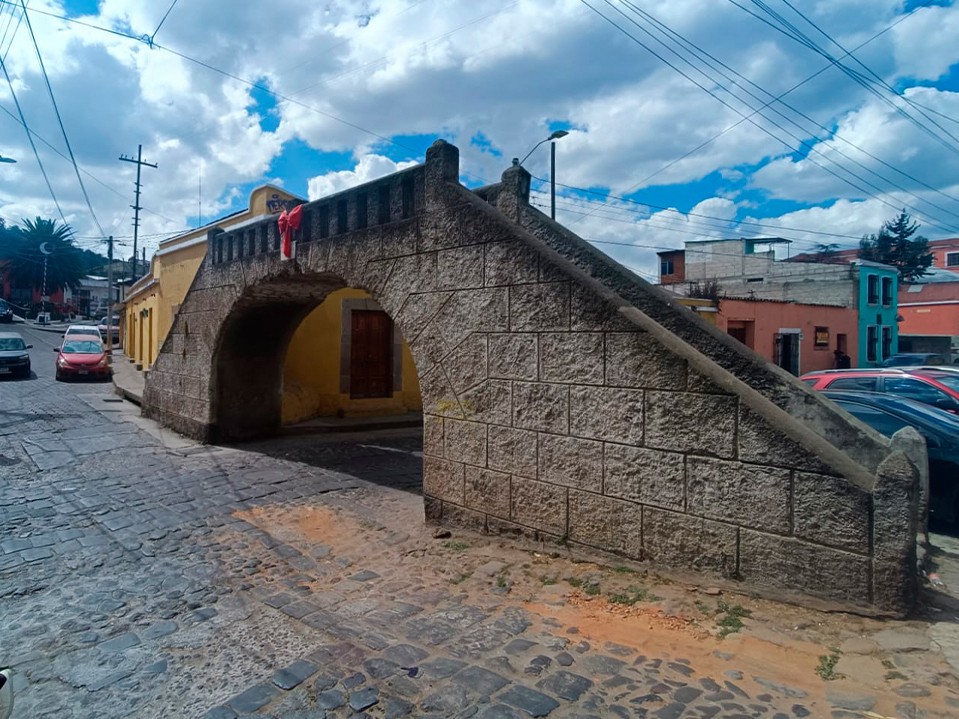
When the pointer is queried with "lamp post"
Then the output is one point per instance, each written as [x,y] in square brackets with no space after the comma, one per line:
[552,166]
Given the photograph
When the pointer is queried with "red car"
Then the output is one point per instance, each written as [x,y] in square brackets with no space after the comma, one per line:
[939,388]
[82,356]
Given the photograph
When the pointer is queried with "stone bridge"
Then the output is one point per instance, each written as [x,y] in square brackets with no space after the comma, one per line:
[564,398]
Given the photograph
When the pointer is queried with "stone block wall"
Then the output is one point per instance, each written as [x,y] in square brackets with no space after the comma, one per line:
[563,397]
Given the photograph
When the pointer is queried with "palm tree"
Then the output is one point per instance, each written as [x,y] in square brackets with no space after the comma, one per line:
[25,248]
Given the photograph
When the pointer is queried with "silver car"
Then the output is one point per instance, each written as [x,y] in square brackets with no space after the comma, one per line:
[14,358]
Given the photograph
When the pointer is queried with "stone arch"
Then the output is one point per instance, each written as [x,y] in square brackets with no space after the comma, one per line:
[564,398]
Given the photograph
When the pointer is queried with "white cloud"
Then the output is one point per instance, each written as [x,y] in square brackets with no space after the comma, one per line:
[369,167]
[359,71]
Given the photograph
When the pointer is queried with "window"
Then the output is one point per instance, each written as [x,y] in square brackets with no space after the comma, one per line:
[914,389]
[872,289]
[887,291]
[886,342]
[875,418]
[821,338]
[872,340]
[665,267]
[952,259]
[867,384]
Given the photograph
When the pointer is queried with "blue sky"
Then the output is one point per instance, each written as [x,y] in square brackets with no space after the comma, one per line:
[658,150]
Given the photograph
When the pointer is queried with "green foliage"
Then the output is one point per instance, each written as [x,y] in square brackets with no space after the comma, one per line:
[632,595]
[827,665]
[896,245]
[575,582]
[731,620]
[456,546]
[460,578]
[66,264]
[592,589]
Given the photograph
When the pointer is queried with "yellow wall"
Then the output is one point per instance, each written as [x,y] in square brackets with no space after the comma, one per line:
[174,268]
[311,374]
[312,369]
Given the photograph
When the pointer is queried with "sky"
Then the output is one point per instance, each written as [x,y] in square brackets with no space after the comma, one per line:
[814,121]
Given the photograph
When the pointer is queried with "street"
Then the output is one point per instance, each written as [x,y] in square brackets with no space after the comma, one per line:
[145,575]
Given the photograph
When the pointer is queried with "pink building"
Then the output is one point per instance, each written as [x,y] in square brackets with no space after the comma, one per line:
[798,337]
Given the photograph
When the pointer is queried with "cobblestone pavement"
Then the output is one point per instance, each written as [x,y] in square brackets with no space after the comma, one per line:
[142,575]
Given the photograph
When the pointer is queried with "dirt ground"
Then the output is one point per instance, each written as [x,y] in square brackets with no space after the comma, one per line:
[836,658]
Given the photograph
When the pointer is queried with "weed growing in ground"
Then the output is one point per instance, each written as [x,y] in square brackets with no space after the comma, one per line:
[827,665]
[456,546]
[501,581]
[575,582]
[547,580]
[632,595]
[703,607]
[731,620]
[624,570]
[460,578]
[592,589]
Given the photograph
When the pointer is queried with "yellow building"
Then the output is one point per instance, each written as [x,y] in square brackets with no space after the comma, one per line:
[346,358]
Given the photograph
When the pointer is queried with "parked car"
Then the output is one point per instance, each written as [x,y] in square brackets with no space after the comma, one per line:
[82,356]
[14,358]
[74,331]
[932,386]
[888,414]
[110,331]
[915,359]
[6,312]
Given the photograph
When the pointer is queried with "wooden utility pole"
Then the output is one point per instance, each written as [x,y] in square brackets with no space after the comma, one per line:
[110,295]
[139,162]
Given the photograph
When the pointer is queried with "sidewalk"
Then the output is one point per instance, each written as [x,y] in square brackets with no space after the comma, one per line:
[127,379]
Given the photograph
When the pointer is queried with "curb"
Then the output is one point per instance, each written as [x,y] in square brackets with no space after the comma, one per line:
[127,394]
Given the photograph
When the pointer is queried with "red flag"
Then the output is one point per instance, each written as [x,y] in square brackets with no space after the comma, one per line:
[288,222]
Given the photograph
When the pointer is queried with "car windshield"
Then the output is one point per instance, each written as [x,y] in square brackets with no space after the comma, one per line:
[904,360]
[9,344]
[951,381]
[908,407]
[89,347]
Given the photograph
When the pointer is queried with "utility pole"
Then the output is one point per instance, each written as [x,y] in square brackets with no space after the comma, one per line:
[139,162]
[110,295]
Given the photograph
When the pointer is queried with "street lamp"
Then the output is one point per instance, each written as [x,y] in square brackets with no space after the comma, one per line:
[552,166]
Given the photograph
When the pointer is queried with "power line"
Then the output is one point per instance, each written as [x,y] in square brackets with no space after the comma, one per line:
[163,20]
[800,141]
[696,49]
[33,145]
[63,130]
[692,214]
[802,39]
[755,112]
[93,177]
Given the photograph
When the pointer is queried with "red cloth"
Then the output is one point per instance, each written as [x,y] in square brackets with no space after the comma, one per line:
[288,222]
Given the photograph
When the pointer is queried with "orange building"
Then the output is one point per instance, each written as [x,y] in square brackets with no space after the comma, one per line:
[798,337]
[929,309]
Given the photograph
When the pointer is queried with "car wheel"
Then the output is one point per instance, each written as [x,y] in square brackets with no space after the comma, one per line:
[59,377]
[25,374]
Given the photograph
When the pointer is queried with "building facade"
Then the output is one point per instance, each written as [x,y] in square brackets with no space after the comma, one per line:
[748,269]
[345,358]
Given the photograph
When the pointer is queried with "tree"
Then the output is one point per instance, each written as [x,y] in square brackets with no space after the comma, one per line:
[895,245]
[20,247]
[826,252]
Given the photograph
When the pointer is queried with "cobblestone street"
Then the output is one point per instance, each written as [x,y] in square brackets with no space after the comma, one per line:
[143,575]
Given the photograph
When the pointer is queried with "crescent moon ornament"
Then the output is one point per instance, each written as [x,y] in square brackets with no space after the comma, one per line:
[44,250]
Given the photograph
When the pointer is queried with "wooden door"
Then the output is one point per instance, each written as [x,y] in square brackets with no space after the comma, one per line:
[371,344]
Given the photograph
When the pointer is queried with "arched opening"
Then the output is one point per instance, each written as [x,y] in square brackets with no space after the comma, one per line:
[305,352]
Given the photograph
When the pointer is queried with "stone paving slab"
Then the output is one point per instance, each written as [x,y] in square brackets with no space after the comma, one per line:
[297,579]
